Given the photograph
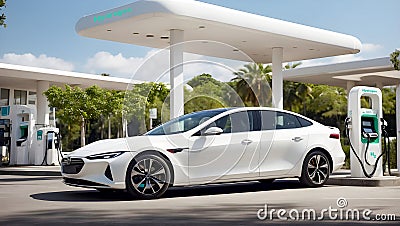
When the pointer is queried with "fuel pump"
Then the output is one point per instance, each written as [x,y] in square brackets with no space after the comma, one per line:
[363,128]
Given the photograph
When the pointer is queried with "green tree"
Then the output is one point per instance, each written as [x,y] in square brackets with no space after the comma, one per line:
[389,101]
[202,79]
[208,95]
[141,98]
[253,84]
[394,58]
[3,16]
[78,105]
[296,93]
[328,102]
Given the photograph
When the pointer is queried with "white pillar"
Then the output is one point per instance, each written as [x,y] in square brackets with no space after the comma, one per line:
[350,85]
[398,125]
[277,77]
[176,73]
[42,111]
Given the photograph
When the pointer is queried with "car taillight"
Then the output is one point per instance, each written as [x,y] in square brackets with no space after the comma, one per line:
[334,136]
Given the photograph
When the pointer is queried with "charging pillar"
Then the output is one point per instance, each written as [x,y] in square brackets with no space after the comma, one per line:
[365,131]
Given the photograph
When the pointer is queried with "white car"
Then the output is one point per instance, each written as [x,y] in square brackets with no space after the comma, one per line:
[211,146]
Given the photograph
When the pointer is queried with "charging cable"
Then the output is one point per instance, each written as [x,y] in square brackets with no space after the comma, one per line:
[347,123]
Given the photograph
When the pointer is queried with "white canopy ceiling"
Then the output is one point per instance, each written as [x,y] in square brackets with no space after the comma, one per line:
[148,22]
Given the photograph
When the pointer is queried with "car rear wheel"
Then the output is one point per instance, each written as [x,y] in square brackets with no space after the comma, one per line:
[148,176]
[316,169]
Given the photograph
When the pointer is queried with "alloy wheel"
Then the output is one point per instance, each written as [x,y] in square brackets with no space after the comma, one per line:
[148,176]
[318,169]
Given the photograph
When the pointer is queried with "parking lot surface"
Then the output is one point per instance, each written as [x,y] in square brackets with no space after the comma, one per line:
[45,200]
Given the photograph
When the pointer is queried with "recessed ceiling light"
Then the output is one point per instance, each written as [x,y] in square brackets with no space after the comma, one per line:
[202,27]
[149,36]
[135,33]
[109,30]
[164,37]
[235,50]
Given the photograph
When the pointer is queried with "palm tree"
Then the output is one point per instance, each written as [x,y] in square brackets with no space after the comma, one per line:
[296,93]
[253,84]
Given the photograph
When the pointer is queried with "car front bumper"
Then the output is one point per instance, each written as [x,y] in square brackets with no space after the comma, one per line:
[99,173]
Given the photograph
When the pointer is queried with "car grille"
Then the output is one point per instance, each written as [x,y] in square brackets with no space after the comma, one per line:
[72,165]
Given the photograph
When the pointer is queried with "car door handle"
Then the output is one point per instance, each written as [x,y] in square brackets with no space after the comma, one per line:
[246,142]
[297,139]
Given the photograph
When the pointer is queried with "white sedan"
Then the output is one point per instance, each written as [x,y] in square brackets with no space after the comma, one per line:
[211,146]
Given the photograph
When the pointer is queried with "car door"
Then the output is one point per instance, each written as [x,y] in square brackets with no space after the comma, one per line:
[284,142]
[229,156]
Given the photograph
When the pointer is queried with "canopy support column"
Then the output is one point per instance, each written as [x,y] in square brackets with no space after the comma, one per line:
[43,110]
[350,85]
[176,73]
[398,125]
[277,77]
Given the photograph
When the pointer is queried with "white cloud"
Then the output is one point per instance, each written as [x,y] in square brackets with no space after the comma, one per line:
[154,66]
[116,65]
[370,47]
[42,60]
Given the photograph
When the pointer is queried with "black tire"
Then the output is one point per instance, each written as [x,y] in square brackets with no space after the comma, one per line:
[148,176]
[266,181]
[316,169]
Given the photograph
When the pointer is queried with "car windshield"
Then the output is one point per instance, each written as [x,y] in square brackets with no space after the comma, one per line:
[185,122]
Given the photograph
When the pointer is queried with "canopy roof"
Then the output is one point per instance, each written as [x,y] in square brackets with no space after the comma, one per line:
[374,72]
[148,23]
[24,77]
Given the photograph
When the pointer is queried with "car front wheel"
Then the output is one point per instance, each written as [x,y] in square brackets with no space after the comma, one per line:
[316,169]
[148,176]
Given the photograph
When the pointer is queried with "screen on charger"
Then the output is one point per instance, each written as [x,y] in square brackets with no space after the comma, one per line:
[367,123]
[368,130]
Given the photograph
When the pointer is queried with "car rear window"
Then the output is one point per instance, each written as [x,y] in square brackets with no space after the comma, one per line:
[304,122]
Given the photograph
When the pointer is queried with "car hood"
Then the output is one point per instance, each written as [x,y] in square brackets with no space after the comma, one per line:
[101,146]
[132,144]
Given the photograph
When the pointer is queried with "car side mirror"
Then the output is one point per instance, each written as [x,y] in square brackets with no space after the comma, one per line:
[213,131]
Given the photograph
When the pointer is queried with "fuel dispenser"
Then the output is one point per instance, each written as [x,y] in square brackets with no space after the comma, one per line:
[364,130]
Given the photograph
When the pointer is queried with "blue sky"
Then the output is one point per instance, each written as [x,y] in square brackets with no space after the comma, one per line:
[42,32]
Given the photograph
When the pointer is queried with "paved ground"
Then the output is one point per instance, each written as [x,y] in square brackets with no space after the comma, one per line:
[45,200]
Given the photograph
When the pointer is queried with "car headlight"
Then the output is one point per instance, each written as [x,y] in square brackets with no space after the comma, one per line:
[108,155]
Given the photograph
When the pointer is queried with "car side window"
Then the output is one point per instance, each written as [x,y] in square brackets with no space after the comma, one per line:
[241,122]
[304,122]
[233,123]
[268,120]
[286,121]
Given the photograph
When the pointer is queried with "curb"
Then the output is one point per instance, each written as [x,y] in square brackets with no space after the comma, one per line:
[386,181]
[30,173]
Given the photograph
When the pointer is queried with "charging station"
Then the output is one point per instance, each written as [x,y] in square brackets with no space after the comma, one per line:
[363,127]
[45,146]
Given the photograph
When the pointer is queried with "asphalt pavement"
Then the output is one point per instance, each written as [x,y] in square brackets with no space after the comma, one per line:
[45,200]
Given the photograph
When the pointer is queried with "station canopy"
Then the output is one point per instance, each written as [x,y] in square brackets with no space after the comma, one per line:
[26,77]
[149,22]
[377,72]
